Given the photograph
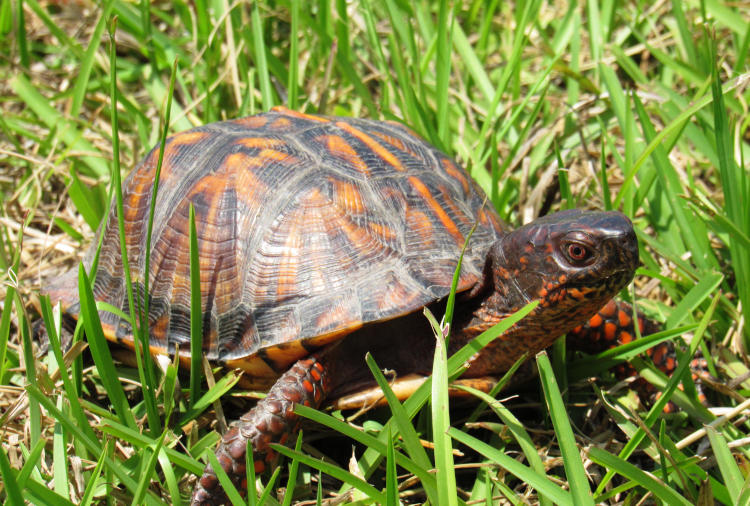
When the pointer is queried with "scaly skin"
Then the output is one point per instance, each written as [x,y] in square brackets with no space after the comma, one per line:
[271,421]
[614,325]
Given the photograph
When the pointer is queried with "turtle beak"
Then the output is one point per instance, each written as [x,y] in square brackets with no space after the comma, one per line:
[619,241]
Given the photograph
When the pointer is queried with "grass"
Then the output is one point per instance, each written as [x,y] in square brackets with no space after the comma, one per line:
[605,105]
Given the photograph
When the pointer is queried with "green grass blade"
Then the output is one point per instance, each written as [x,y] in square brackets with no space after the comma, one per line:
[93,446]
[60,456]
[541,484]
[265,496]
[213,394]
[401,417]
[150,464]
[250,467]
[87,63]
[645,480]
[145,364]
[446,477]
[67,130]
[375,444]
[142,441]
[450,304]
[391,479]
[443,69]
[293,83]
[29,363]
[456,365]
[140,332]
[12,490]
[100,351]
[32,464]
[226,483]
[727,464]
[516,428]
[95,477]
[736,185]
[292,479]
[576,474]
[334,471]
[261,63]
[658,407]
[678,123]
[196,311]
[53,27]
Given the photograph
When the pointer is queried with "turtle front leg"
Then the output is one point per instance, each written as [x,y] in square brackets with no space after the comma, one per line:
[272,420]
[614,325]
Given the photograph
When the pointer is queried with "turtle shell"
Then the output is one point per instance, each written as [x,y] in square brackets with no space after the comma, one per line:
[308,228]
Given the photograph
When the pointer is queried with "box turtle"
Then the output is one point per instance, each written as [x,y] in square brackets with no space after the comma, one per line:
[321,239]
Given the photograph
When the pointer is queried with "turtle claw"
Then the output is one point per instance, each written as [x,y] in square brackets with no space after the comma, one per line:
[272,420]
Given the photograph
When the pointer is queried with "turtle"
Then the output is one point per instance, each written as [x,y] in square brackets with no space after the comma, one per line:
[322,239]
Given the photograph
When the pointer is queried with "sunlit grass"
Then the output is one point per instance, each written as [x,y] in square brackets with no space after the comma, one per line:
[602,105]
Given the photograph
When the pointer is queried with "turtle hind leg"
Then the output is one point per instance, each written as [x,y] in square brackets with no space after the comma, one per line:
[272,420]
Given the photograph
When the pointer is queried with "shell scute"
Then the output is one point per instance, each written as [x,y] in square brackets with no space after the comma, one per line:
[308,228]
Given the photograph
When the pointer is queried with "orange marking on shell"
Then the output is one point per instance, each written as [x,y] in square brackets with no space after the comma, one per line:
[396,294]
[456,173]
[338,147]
[274,155]
[625,337]
[187,138]
[252,122]
[288,263]
[623,318]
[421,224]
[280,123]
[610,330]
[450,202]
[393,141]
[372,144]
[296,114]
[333,316]
[383,231]
[260,142]
[348,197]
[437,209]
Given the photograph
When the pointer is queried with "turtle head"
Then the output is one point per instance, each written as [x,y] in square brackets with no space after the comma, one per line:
[572,261]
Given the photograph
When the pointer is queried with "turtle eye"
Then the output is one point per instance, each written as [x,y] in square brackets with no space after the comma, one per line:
[578,253]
